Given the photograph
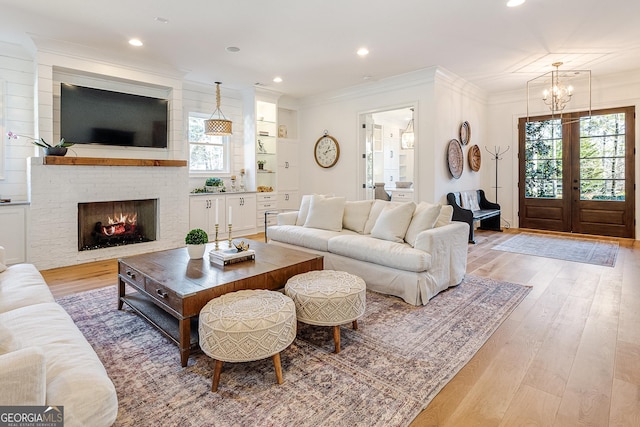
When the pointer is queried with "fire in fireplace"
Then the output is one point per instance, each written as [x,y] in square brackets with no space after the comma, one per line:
[107,224]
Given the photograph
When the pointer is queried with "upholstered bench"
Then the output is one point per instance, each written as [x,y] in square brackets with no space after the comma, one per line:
[247,325]
[470,206]
[328,298]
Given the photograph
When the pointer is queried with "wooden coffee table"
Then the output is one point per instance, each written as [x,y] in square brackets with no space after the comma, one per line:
[169,289]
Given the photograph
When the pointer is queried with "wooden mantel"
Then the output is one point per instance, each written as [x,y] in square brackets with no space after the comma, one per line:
[99,161]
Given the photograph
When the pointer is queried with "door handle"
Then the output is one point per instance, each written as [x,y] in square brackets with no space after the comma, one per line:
[575,188]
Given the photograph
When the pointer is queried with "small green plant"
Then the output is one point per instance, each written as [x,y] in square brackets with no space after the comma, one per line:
[213,182]
[261,162]
[197,236]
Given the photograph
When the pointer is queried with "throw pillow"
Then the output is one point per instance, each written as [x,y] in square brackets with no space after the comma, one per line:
[393,222]
[304,209]
[424,218]
[325,213]
[446,213]
[469,200]
[7,343]
[377,207]
[356,215]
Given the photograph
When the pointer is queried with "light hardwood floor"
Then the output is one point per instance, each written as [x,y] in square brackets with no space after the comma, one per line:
[569,355]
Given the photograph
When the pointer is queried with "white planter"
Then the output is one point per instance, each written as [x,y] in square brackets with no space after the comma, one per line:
[196,251]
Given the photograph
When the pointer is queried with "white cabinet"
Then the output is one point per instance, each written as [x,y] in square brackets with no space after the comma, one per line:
[202,214]
[266,202]
[242,208]
[289,199]
[288,151]
[402,195]
[13,233]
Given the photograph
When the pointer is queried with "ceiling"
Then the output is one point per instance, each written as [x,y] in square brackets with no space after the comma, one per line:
[312,44]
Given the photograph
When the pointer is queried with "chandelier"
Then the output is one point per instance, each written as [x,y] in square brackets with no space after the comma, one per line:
[408,136]
[555,90]
[219,126]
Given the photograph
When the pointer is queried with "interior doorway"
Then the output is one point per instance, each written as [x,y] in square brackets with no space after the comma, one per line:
[577,173]
[389,141]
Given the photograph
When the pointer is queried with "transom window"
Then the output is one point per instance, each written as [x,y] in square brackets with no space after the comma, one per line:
[206,153]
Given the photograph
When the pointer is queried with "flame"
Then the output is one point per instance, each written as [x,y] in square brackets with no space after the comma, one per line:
[124,218]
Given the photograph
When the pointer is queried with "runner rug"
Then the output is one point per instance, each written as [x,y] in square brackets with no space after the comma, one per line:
[388,370]
[590,251]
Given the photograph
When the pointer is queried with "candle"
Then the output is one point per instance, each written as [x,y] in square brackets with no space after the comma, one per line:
[217,200]
[230,221]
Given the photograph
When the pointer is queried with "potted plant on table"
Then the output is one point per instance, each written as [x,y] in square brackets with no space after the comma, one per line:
[196,241]
[261,164]
[214,185]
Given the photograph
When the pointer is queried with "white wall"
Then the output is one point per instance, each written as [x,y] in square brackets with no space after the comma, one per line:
[442,102]
[618,90]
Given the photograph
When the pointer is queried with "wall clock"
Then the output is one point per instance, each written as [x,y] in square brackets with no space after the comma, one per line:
[326,151]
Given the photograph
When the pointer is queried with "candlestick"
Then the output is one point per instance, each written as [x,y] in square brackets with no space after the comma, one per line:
[230,221]
[217,247]
[230,242]
[217,200]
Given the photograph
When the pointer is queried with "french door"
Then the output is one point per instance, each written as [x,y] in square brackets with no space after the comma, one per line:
[576,173]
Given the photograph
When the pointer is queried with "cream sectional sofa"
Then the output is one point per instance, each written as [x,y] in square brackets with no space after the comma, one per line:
[402,249]
[44,358]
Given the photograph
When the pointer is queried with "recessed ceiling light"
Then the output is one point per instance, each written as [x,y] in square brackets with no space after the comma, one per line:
[232,49]
[277,79]
[161,20]
[514,3]
[363,51]
[135,42]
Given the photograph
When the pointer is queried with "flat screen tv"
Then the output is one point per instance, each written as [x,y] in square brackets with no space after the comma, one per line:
[96,116]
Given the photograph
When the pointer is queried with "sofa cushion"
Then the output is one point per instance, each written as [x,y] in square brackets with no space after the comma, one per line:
[304,209]
[22,285]
[446,213]
[469,200]
[312,238]
[325,213]
[356,214]
[72,367]
[424,218]
[393,222]
[382,252]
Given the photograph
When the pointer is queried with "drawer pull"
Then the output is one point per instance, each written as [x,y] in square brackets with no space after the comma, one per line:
[161,293]
[131,274]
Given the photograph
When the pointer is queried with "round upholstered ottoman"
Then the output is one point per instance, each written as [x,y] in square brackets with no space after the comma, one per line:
[247,325]
[328,298]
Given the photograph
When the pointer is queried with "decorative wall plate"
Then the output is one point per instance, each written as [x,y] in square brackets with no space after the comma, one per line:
[455,158]
[474,158]
[465,133]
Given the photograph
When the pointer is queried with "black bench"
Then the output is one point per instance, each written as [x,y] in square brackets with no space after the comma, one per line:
[488,213]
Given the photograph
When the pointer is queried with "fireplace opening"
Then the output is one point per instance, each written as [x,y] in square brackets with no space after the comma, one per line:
[108,224]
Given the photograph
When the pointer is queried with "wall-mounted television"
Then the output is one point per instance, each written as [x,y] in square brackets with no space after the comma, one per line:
[97,116]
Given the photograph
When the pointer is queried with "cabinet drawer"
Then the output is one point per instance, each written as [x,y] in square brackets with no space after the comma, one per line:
[267,205]
[132,275]
[270,197]
[163,295]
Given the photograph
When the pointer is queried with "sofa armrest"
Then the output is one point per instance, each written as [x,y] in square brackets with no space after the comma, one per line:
[484,203]
[2,256]
[447,246]
[23,377]
[287,218]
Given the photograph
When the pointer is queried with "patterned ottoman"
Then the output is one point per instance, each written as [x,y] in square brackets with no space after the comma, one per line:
[328,298]
[247,325]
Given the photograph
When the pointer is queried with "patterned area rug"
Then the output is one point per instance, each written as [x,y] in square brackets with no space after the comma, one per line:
[387,372]
[590,251]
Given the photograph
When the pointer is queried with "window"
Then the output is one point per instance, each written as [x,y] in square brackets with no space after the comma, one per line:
[206,153]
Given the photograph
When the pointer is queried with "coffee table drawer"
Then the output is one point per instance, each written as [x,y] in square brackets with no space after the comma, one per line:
[163,295]
[132,275]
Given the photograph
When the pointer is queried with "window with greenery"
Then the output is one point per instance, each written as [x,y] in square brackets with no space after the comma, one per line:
[543,159]
[206,153]
[602,157]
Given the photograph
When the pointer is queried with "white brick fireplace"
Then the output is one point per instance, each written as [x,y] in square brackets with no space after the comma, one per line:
[57,189]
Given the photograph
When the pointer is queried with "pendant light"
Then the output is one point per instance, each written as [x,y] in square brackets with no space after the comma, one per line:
[219,126]
[408,136]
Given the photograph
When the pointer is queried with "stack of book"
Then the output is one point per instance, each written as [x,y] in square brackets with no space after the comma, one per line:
[223,257]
